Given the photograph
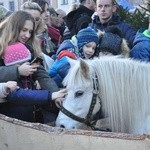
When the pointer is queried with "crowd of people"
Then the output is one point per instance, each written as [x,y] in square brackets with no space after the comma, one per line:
[32,90]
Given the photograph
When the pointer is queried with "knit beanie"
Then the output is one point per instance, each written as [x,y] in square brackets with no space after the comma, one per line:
[16,53]
[111,43]
[87,35]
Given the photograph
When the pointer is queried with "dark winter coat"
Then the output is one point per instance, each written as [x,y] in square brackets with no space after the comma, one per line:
[61,66]
[76,20]
[127,31]
[21,104]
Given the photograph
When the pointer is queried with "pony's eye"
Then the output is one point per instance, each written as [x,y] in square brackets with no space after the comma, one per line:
[78,94]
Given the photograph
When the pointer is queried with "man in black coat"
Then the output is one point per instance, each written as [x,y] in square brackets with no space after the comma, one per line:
[79,18]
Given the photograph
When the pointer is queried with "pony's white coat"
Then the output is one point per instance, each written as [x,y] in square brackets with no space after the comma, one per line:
[124,90]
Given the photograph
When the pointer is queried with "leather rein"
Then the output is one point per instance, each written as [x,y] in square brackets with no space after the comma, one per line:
[88,120]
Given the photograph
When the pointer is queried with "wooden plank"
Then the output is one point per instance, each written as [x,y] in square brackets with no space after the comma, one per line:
[20,135]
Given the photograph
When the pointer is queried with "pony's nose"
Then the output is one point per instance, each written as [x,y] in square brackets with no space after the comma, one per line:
[62,126]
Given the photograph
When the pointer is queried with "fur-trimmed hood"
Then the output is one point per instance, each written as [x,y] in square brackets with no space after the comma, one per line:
[111,41]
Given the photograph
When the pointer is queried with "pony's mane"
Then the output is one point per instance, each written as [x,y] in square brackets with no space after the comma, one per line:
[119,81]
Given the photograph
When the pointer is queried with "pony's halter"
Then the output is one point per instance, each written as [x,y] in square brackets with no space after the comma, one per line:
[88,120]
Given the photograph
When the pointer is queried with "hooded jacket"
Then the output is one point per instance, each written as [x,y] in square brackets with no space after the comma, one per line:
[61,66]
[141,48]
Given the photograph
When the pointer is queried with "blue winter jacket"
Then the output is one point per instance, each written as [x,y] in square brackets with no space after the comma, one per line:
[60,68]
[127,31]
[141,48]
[70,45]
[20,103]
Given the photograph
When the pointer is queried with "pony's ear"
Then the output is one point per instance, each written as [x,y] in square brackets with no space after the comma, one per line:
[84,69]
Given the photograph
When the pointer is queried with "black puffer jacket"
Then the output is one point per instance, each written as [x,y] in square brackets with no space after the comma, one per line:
[77,20]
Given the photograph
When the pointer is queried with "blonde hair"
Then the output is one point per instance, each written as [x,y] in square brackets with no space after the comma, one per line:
[31,5]
[35,6]
[10,30]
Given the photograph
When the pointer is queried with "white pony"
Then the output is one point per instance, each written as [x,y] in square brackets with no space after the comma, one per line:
[122,88]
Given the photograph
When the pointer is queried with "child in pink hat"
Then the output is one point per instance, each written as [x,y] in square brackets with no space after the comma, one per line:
[16,53]
[24,99]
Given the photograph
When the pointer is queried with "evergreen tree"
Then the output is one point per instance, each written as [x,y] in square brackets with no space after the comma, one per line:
[138,19]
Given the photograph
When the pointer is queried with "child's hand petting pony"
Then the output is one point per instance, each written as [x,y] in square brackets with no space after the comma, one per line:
[58,97]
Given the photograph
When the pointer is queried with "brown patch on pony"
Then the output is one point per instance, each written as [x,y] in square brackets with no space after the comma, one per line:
[84,69]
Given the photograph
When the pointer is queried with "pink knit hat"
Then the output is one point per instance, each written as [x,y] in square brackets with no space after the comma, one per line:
[16,53]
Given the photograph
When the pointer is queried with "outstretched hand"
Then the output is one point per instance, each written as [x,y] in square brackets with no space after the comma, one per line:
[59,94]
[11,86]
[59,102]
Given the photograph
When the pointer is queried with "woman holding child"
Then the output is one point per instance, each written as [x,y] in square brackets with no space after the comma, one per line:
[20,27]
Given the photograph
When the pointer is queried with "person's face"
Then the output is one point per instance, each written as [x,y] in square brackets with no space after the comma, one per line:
[45,14]
[26,32]
[90,4]
[61,19]
[89,49]
[36,15]
[54,20]
[105,10]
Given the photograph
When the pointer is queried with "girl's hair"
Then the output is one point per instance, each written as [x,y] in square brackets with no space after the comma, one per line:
[31,5]
[11,28]
[34,6]
[41,3]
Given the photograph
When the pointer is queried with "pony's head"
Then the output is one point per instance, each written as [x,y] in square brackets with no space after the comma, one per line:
[118,82]
[79,105]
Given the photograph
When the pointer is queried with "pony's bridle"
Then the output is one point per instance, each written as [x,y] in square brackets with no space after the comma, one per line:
[88,120]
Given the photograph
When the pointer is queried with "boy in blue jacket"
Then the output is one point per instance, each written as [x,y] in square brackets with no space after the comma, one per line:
[83,45]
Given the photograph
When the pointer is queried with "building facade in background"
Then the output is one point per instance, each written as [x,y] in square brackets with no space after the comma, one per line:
[66,4]
[62,4]
[12,4]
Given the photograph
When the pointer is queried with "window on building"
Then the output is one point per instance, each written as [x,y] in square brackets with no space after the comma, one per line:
[11,5]
[64,2]
[74,1]
[25,1]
